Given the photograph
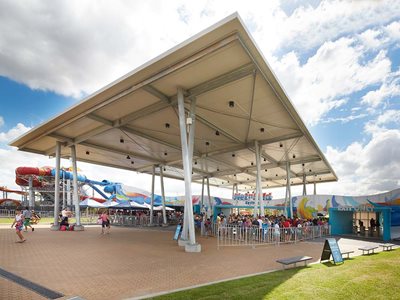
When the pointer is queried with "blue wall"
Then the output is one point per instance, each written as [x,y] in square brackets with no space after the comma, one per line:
[341,221]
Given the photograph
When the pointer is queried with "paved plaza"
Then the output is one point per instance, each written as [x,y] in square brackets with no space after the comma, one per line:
[130,262]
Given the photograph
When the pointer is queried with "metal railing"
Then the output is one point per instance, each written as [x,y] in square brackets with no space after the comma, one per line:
[137,221]
[233,235]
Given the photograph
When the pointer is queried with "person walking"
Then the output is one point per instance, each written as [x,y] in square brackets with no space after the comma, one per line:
[27,219]
[105,222]
[19,225]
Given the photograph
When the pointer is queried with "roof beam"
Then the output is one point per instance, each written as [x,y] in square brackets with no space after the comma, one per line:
[166,102]
[170,69]
[61,138]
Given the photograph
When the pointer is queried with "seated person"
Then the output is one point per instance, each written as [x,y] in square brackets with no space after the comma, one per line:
[35,217]
[65,214]
[64,221]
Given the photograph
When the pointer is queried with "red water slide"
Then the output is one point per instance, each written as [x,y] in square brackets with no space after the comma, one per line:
[22,175]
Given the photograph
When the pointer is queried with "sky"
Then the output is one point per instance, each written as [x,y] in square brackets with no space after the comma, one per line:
[339,62]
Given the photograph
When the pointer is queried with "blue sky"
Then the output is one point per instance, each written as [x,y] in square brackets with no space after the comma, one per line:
[339,62]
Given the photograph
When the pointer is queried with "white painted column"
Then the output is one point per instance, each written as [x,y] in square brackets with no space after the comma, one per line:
[289,193]
[75,194]
[153,177]
[56,225]
[315,186]
[210,205]
[202,194]
[64,199]
[163,196]
[259,188]
[31,193]
[187,167]
[69,198]
[304,184]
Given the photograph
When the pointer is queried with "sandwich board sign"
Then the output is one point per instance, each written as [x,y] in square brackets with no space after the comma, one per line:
[331,248]
[177,232]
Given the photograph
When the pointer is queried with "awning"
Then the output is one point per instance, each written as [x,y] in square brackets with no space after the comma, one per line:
[133,123]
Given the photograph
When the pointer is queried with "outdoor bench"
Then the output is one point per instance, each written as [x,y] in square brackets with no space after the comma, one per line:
[387,247]
[368,249]
[347,252]
[293,260]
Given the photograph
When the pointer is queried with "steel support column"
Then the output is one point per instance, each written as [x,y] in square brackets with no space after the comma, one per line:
[202,195]
[56,225]
[288,191]
[259,187]
[69,199]
[304,184]
[75,194]
[31,194]
[187,165]
[315,186]
[163,196]
[210,206]
[153,177]
[64,200]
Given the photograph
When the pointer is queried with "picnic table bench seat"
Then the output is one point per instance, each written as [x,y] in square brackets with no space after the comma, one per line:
[368,249]
[293,260]
[347,252]
[387,246]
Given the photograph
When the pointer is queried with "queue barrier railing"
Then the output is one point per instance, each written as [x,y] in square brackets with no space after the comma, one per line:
[234,235]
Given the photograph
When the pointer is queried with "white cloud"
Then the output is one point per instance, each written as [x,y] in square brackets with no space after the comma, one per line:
[75,47]
[366,169]
[389,88]
[1,121]
[389,116]
[13,133]
[344,120]
[336,70]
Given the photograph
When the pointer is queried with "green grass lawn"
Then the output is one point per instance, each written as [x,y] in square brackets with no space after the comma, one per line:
[375,276]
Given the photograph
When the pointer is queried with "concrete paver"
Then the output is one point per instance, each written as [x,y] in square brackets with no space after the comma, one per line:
[130,262]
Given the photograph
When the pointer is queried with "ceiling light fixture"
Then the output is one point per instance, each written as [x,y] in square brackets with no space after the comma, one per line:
[121,140]
[87,152]
[231,103]
[128,157]
[167,125]
[217,132]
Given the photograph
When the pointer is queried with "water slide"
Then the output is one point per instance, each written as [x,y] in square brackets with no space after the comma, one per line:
[44,176]
[5,198]
[118,192]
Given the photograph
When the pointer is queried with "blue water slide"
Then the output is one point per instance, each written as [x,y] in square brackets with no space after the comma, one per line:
[97,189]
[68,175]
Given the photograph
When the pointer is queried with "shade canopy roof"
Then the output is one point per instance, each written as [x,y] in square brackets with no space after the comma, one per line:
[133,123]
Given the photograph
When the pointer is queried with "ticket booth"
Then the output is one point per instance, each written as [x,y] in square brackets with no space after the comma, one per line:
[357,220]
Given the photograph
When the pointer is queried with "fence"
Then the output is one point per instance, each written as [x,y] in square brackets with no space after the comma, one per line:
[233,235]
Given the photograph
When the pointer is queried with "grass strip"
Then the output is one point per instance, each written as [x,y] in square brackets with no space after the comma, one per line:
[375,276]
